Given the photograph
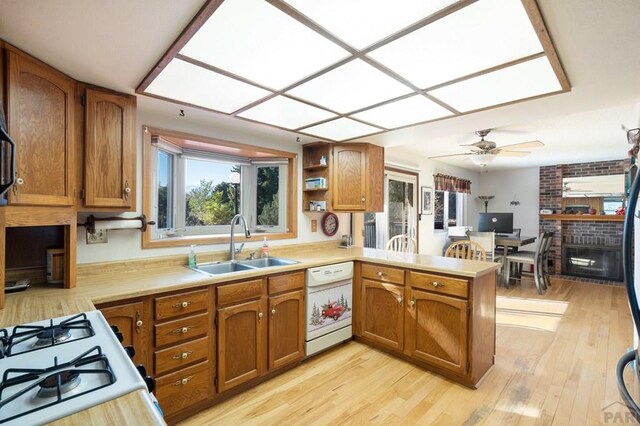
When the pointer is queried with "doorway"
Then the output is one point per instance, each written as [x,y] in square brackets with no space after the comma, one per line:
[400,215]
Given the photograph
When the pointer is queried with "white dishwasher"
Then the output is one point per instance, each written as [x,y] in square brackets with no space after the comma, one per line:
[329,296]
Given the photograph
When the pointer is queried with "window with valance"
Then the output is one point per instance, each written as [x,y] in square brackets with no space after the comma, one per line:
[451,184]
[450,200]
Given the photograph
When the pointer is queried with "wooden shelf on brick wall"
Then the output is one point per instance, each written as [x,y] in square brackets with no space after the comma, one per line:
[584,217]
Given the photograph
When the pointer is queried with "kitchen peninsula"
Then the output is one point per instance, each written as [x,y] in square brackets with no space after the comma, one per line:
[463,292]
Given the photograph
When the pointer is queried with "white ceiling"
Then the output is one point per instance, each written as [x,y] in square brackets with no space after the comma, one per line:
[115,43]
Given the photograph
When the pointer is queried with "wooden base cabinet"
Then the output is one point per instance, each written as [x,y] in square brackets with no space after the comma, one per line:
[445,323]
[132,321]
[437,329]
[383,312]
[286,329]
[241,341]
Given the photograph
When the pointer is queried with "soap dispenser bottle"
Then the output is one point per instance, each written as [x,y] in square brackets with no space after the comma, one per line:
[192,256]
[265,248]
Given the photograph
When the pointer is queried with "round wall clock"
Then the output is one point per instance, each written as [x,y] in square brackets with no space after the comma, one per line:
[330,224]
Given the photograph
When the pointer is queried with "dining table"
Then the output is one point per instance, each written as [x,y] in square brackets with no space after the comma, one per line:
[506,241]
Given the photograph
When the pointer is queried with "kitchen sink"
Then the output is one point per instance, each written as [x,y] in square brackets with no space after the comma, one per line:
[217,268]
[268,261]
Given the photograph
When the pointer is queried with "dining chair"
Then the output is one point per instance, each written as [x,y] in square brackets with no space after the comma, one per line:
[486,240]
[466,249]
[545,260]
[402,243]
[530,258]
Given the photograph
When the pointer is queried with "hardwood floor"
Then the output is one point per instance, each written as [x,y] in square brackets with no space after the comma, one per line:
[555,364]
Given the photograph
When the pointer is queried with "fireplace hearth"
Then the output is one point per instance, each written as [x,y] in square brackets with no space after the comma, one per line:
[592,261]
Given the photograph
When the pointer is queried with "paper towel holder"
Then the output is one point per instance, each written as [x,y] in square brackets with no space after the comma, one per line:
[90,222]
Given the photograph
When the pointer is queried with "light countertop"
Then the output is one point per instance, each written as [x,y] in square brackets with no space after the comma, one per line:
[123,280]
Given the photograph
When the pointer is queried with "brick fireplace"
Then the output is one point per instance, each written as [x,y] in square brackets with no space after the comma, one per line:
[606,235]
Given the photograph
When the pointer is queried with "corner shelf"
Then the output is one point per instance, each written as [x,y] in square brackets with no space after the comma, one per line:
[315,167]
[315,189]
[584,217]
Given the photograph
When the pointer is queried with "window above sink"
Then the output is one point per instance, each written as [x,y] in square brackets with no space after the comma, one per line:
[197,184]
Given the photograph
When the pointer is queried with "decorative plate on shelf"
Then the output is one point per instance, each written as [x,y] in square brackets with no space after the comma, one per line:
[330,224]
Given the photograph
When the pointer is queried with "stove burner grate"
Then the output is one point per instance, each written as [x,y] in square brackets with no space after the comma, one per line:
[62,382]
[47,336]
[58,380]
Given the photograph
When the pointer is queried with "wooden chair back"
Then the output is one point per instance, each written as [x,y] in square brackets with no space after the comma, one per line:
[465,249]
[487,240]
[402,243]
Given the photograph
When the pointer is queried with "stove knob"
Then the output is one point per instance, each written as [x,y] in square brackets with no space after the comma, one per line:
[151,384]
[116,331]
[130,351]
[141,370]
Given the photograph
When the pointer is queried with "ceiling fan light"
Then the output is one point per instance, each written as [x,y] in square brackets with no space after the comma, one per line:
[482,159]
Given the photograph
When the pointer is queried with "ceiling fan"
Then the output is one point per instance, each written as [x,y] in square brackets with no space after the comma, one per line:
[483,152]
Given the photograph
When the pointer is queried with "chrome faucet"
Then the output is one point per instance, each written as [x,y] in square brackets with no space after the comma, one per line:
[232,245]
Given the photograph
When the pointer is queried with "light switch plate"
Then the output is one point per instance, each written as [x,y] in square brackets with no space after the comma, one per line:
[98,237]
[314,225]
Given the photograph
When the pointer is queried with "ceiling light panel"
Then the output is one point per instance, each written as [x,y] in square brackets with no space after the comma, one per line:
[531,78]
[341,129]
[407,111]
[479,36]
[254,40]
[185,82]
[288,113]
[350,87]
[361,23]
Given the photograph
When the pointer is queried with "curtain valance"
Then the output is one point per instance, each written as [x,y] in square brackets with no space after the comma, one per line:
[451,184]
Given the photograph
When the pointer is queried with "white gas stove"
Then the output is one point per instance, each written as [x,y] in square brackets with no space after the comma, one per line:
[53,368]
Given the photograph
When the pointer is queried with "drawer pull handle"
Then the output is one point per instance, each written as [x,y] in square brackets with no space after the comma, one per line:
[381,274]
[182,304]
[183,381]
[400,300]
[437,284]
[182,330]
[183,355]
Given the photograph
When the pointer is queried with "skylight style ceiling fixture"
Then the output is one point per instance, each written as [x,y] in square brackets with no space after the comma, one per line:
[340,70]
[482,159]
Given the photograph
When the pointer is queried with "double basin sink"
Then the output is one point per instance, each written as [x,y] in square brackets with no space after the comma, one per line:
[217,268]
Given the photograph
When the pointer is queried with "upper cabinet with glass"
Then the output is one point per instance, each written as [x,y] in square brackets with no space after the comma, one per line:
[197,184]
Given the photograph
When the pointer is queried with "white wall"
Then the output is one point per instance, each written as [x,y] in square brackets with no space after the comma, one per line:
[126,244]
[524,185]
[432,241]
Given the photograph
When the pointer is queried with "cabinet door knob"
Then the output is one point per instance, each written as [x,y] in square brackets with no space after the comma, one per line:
[19,181]
[273,312]
[412,303]
[400,300]
[437,284]
[127,190]
[260,315]
[363,200]
[183,381]
[183,355]
[139,323]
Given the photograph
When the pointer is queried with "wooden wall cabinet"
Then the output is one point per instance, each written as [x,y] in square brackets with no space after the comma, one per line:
[132,320]
[40,111]
[109,150]
[354,173]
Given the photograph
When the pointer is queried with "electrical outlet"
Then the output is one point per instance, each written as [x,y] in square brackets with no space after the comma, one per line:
[98,237]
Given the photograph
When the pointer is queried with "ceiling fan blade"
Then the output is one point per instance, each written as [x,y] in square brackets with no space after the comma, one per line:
[523,145]
[504,153]
[451,155]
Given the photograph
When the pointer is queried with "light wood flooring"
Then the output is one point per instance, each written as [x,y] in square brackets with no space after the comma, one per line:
[555,364]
